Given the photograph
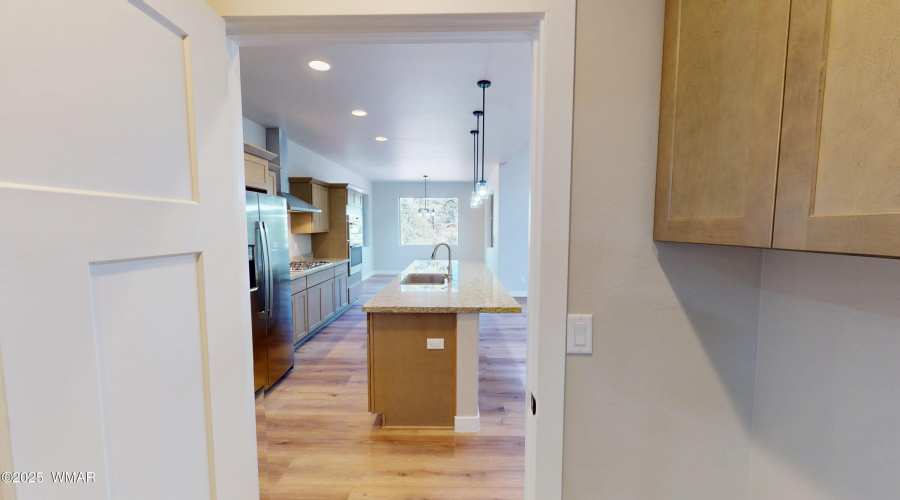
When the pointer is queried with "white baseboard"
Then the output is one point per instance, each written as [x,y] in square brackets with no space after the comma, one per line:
[519,293]
[467,424]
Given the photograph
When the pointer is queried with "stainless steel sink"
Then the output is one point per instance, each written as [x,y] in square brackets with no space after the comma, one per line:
[424,279]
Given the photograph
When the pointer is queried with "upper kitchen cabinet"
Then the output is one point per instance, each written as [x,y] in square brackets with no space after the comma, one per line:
[257,175]
[839,174]
[720,118]
[354,197]
[315,192]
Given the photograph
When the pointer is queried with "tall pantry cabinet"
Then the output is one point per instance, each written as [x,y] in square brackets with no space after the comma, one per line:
[780,125]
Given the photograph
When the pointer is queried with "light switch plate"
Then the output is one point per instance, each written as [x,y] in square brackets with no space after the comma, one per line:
[435,343]
[580,334]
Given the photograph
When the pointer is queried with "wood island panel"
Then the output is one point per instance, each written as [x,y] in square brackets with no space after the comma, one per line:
[410,385]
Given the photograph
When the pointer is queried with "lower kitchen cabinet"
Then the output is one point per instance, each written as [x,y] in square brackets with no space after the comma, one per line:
[320,303]
[317,298]
[341,297]
[301,322]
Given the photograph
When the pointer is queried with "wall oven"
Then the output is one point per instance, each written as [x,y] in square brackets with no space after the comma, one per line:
[355,242]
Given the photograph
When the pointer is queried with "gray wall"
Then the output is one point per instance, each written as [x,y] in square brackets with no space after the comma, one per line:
[663,408]
[390,256]
[827,417]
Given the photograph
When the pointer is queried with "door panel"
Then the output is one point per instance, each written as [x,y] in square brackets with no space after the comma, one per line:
[720,116]
[840,153]
[141,259]
[74,58]
[158,301]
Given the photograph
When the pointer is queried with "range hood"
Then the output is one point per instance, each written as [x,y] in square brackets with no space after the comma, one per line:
[276,142]
[295,204]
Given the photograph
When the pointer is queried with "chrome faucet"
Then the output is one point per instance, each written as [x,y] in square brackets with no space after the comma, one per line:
[449,259]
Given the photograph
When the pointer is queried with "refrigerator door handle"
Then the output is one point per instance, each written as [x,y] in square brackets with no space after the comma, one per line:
[270,280]
[262,284]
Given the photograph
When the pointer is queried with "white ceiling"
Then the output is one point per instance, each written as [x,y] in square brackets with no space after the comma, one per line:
[419,96]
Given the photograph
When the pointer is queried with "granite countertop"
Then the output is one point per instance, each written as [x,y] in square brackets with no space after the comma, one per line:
[474,289]
[331,263]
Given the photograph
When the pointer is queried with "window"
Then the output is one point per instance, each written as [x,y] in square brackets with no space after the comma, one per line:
[441,227]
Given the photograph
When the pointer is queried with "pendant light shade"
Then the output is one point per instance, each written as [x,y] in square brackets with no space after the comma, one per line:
[483,190]
[476,200]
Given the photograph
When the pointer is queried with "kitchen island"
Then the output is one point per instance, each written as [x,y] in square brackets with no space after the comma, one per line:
[423,344]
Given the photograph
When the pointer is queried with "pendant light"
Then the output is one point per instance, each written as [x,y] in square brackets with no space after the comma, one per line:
[481,187]
[425,211]
[476,200]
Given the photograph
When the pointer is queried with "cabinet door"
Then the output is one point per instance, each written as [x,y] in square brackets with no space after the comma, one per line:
[320,201]
[720,118]
[301,322]
[343,291]
[327,299]
[314,307]
[255,172]
[323,217]
[317,202]
[271,183]
[839,177]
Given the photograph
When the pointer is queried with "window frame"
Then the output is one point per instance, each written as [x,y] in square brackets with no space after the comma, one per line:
[400,222]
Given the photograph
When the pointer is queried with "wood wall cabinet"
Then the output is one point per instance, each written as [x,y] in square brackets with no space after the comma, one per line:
[354,198]
[720,117]
[257,175]
[780,125]
[315,192]
[839,177]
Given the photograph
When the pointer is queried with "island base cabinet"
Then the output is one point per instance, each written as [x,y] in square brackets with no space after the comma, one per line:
[410,385]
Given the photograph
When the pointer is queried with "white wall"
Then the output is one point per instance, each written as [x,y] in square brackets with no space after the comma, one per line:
[390,256]
[663,408]
[492,254]
[254,133]
[514,218]
[827,417]
[511,186]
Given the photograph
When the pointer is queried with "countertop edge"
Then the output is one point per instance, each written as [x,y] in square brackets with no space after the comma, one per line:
[303,274]
[443,310]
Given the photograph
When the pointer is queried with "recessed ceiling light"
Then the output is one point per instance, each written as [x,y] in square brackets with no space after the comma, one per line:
[381,139]
[358,112]
[319,65]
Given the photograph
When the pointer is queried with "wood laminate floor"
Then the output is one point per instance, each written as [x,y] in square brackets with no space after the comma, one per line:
[322,443]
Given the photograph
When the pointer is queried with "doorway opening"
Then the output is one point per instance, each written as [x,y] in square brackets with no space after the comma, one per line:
[551,105]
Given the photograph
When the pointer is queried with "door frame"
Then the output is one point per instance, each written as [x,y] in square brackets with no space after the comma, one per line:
[550,26]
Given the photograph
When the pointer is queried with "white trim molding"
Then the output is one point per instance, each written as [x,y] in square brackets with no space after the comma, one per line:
[550,25]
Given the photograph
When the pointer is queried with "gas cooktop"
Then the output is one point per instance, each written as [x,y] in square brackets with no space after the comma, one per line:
[305,265]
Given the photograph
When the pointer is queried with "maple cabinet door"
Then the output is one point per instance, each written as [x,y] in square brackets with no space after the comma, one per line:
[839,177]
[720,119]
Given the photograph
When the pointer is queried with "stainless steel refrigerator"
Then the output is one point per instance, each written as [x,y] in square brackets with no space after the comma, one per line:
[270,288]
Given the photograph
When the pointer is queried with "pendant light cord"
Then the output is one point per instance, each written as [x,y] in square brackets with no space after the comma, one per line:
[483,128]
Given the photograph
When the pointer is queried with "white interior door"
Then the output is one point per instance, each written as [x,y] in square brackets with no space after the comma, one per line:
[124,321]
